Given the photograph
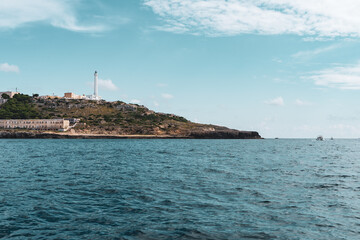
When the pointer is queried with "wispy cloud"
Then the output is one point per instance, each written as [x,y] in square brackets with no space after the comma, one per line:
[5,67]
[135,101]
[317,19]
[299,102]
[161,85]
[107,85]
[315,52]
[58,13]
[167,96]
[343,77]
[277,60]
[279,101]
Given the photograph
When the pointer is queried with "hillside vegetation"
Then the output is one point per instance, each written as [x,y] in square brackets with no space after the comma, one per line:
[19,107]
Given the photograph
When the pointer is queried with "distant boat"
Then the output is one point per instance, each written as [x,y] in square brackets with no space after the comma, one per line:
[320,138]
[331,138]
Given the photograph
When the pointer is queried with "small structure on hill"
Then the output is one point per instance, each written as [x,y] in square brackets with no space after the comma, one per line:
[9,93]
[49,97]
[71,95]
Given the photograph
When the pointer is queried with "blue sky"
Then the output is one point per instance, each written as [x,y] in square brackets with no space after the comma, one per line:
[285,68]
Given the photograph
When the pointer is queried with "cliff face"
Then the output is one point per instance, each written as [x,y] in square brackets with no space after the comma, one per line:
[118,118]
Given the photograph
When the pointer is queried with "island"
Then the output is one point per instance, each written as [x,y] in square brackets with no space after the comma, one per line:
[23,116]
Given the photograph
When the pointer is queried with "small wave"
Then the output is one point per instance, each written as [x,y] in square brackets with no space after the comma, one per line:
[49,217]
[108,191]
[188,233]
[213,170]
[145,198]
[36,156]
[324,225]
[334,176]
[258,235]
[134,233]
[164,152]
[325,186]
[167,203]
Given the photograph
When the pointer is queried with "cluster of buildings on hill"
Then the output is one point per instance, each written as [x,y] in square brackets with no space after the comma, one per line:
[46,124]
[70,95]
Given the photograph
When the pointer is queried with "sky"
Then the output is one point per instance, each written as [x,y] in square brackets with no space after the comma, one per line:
[284,68]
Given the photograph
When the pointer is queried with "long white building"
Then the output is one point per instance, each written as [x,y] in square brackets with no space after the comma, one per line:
[36,124]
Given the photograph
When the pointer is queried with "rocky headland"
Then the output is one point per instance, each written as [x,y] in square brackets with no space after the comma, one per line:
[102,119]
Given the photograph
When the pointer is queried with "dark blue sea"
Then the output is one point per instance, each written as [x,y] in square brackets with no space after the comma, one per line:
[179,189]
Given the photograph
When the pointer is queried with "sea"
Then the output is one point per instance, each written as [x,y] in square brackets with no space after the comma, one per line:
[179,189]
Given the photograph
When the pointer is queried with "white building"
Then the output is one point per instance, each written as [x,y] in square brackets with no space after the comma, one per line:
[36,124]
[9,93]
[71,95]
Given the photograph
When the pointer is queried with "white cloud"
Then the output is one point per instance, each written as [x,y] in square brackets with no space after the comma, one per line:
[135,101]
[314,52]
[344,77]
[156,104]
[5,67]
[279,101]
[277,60]
[107,85]
[299,102]
[321,18]
[58,13]
[167,96]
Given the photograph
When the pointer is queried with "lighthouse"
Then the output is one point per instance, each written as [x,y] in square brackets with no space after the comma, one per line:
[96,94]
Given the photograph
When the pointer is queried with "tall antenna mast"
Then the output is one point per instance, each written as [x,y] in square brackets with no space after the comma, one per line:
[96,84]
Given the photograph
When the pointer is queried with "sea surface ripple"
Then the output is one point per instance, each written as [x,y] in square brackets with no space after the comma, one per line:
[179,189]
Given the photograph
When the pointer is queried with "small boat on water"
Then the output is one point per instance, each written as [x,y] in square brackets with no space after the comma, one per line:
[331,138]
[320,138]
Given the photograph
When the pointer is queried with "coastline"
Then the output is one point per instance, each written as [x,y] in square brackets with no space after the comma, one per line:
[195,135]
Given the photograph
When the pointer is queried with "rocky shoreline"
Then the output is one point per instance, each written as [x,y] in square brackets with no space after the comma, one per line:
[223,134]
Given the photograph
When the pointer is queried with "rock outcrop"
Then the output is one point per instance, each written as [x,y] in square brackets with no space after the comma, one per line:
[225,134]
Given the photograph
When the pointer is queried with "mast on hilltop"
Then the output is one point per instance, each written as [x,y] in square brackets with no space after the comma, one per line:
[96,85]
